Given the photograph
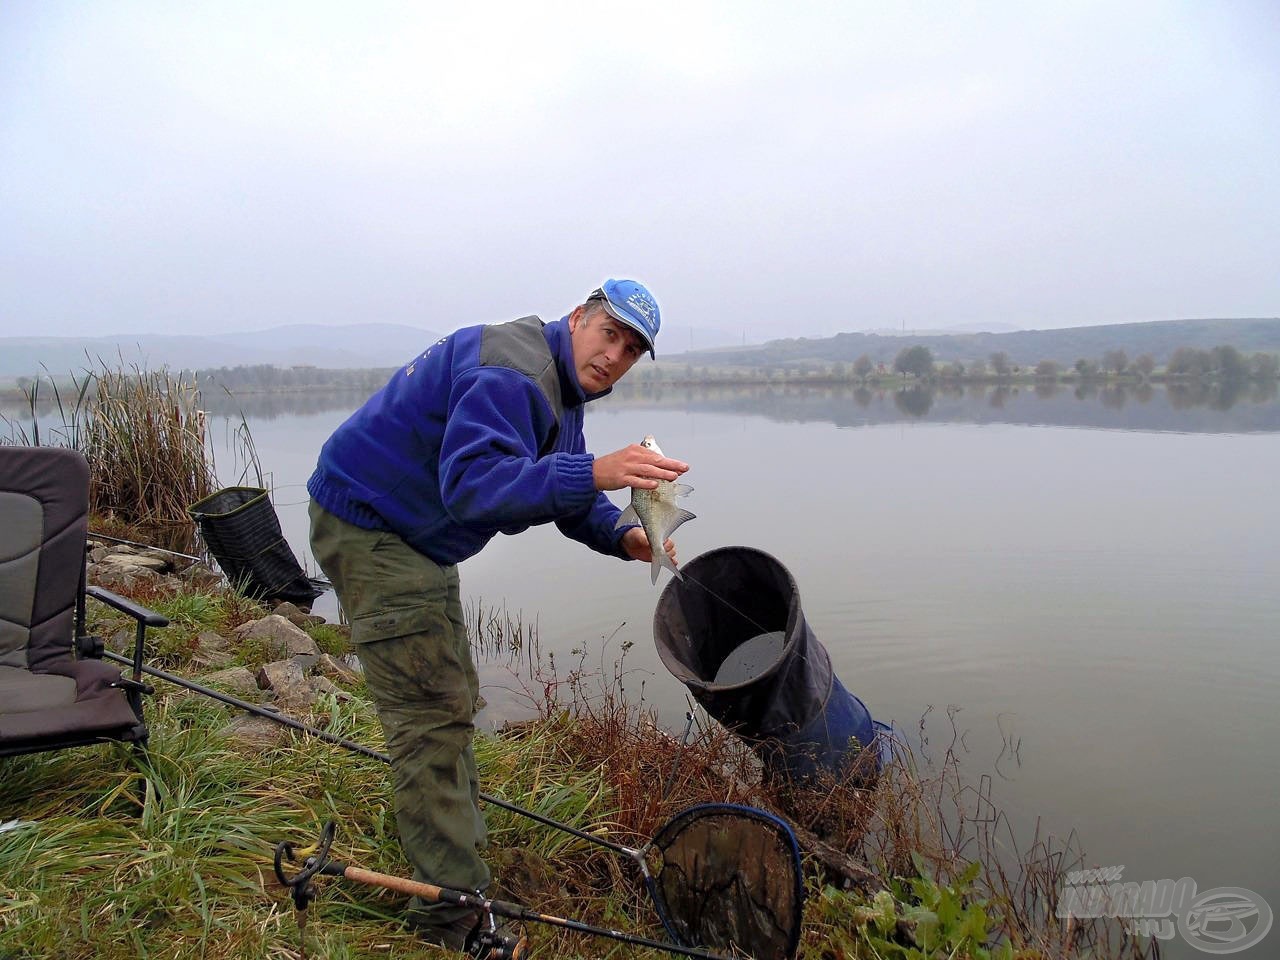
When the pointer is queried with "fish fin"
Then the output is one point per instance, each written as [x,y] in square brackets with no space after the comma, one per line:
[677,518]
[682,489]
[628,517]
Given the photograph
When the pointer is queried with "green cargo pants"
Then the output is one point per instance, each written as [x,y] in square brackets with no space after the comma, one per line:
[407,626]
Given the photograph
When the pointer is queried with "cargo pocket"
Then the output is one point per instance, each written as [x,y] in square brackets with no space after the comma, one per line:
[425,618]
[414,668]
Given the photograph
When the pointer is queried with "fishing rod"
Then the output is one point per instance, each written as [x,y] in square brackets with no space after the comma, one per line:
[491,942]
[320,581]
[145,546]
[726,601]
[746,893]
[287,721]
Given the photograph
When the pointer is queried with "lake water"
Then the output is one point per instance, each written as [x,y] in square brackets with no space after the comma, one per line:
[1093,577]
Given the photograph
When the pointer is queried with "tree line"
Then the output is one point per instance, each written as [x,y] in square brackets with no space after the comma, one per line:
[1221,363]
[265,378]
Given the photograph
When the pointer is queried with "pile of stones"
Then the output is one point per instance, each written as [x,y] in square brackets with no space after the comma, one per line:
[297,673]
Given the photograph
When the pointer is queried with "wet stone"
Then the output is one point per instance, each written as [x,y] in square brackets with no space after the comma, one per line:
[255,732]
[283,639]
[237,681]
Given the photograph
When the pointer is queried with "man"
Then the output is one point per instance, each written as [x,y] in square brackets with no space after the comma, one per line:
[479,435]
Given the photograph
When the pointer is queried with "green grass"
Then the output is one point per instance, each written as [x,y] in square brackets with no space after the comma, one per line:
[170,855]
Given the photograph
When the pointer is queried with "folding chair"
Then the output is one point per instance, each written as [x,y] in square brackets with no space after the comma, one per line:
[55,689]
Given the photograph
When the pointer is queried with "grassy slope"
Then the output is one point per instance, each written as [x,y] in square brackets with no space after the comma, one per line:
[171,856]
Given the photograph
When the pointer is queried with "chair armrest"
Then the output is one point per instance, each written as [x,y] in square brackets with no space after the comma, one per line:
[134,686]
[140,613]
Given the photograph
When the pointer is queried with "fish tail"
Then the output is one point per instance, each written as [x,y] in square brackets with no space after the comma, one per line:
[660,560]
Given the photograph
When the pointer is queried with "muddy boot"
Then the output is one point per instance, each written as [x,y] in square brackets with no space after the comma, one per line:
[455,934]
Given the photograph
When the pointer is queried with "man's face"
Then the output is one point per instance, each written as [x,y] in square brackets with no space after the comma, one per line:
[603,348]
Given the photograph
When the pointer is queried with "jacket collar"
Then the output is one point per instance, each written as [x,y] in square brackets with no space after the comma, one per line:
[561,344]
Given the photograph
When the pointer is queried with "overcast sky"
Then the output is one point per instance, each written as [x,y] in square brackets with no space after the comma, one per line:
[774,169]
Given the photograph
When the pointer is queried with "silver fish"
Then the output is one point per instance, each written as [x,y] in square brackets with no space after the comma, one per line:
[656,511]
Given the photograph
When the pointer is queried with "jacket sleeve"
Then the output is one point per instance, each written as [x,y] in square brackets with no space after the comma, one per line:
[491,477]
[594,526]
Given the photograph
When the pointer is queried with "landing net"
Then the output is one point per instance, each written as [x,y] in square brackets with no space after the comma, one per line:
[729,879]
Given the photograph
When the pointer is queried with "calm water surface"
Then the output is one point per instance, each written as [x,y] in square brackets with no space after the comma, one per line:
[1094,577]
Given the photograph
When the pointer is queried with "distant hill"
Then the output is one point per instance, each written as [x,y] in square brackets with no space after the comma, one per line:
[1158,338]
[389,345]
[350,346]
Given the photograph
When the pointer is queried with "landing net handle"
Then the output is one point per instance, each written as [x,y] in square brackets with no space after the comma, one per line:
[499,948]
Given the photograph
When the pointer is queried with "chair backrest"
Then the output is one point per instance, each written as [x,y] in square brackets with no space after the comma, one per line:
[44,519]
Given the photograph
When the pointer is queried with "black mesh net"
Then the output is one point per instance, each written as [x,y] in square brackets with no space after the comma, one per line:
[728,879]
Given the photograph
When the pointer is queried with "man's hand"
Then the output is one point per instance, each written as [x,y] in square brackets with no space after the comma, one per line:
[634,466]
[636,545]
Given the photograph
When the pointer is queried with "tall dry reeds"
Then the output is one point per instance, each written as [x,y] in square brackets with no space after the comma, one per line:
[144,437]
[143,433]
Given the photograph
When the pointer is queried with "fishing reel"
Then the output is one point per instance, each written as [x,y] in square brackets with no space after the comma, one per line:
[490,943]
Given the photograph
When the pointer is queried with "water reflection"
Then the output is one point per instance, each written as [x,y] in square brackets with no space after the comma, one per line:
[1113,396]
[1221,396]
[1199,408]
[1248,406]
[914,401]
[268,406]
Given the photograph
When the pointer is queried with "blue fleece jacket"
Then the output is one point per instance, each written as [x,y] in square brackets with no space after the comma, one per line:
[451,452]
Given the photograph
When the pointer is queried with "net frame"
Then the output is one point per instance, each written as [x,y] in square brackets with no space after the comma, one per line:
[786,883]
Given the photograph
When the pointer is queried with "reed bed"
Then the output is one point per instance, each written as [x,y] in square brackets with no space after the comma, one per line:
[144,435]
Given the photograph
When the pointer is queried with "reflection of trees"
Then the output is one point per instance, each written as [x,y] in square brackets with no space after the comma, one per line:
[1263,391]
[1225,393]
[1265,366]
[1114,395]
[914,401]
[1217,395]
[268,406]
[1184,406]
[1046,389]
[1086,390]
[1184,396]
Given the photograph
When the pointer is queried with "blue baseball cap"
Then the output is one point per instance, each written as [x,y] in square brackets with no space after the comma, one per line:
[629,302]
